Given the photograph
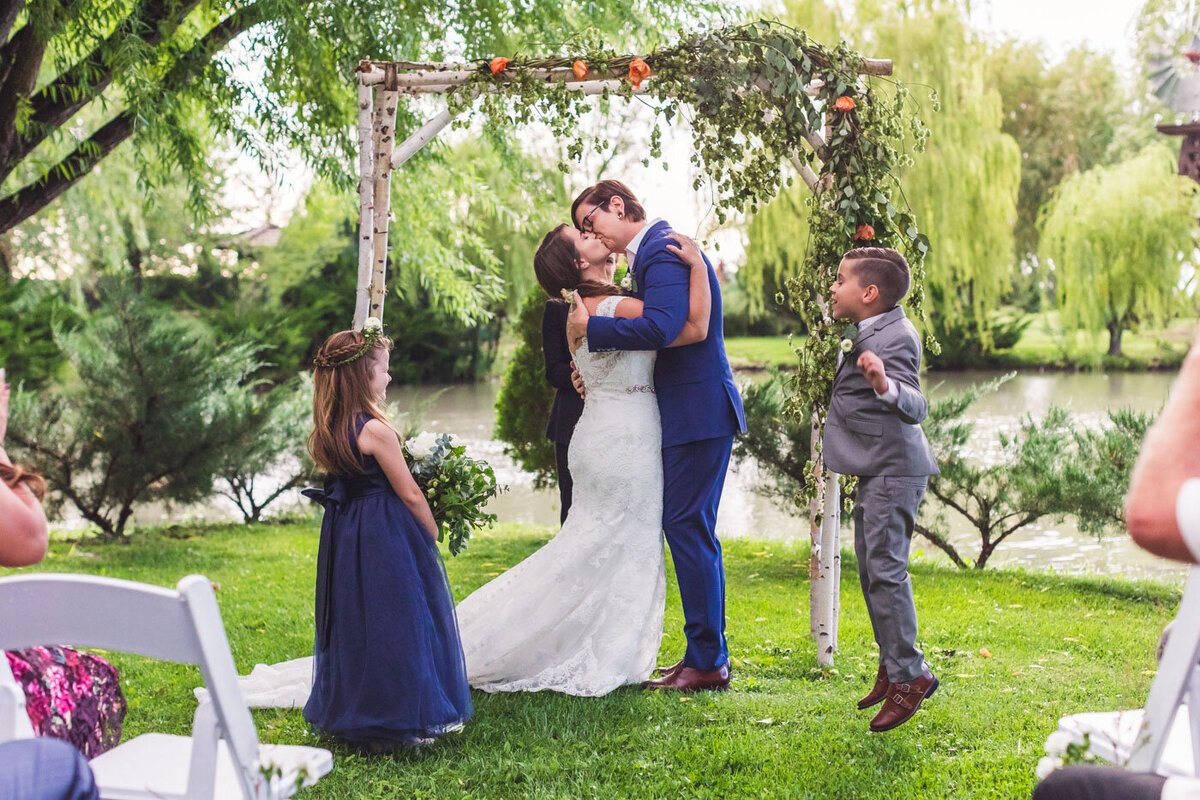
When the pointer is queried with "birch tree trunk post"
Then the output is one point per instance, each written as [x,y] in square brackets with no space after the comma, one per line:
[386,97]
[816,613]
[831,568]
[366,202]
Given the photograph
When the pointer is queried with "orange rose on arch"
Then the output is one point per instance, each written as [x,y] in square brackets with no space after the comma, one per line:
[498,65]
[639,70]
[844,103]
[864,233]
[580,70]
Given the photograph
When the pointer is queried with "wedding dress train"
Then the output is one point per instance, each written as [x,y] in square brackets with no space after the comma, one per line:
[583,615]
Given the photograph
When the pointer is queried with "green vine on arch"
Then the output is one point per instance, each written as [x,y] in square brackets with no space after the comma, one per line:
[754,92]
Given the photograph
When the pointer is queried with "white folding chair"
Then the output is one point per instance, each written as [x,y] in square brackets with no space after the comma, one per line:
[1164,737]
[222,758]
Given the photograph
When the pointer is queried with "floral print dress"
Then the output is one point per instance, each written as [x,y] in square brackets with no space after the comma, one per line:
[70,695]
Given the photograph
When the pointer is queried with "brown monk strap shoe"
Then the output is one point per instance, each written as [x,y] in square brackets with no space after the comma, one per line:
[903,700]
[663,672]
[693,680]
[878,691]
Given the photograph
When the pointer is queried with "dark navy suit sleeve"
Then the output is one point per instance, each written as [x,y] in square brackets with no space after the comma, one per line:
[554,345]
[664,309]
[902,362]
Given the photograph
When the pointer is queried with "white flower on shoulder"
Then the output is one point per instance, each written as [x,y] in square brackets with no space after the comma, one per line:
[374,323]
[1046,765]
[627,282]
[847,346]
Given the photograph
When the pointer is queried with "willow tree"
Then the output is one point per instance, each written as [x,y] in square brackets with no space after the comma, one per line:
[77,80]
[1117,237]
[963,188]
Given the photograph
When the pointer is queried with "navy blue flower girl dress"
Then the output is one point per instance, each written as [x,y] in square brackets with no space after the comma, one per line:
[388,663]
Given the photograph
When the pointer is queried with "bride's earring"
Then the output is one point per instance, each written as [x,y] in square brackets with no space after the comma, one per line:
[620,215]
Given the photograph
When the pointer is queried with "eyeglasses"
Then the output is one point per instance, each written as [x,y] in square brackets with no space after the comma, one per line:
[584,224]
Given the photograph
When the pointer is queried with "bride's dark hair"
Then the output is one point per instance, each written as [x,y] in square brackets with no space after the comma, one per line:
[554,264]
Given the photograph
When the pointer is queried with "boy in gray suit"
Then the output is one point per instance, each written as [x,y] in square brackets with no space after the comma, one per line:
[874,432]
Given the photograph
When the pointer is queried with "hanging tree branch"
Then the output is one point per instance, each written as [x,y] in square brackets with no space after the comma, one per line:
[30,199]
[152,22]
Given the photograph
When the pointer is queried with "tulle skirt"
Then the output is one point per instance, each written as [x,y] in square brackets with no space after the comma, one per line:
[389,664]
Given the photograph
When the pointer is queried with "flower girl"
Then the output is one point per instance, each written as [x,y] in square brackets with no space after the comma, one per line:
[388,664]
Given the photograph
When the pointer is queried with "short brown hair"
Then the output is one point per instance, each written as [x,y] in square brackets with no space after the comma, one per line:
[602,193]
[884,268]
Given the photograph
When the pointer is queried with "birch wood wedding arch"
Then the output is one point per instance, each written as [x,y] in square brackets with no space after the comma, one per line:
[382,85]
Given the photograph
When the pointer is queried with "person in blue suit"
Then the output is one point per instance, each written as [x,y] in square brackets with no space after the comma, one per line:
[701,412]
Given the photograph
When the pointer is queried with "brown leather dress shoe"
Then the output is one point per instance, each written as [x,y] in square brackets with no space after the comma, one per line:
[662,672]
[693,680]
[903,700]
[878,691]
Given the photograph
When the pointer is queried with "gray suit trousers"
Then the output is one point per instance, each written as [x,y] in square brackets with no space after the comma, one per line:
[885,511]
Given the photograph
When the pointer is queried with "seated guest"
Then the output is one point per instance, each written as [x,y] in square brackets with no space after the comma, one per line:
[69,695]
[44,769]
[1162,513]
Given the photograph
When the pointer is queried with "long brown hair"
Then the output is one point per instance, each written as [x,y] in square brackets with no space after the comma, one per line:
[13,474]
[555,265]
[342,391]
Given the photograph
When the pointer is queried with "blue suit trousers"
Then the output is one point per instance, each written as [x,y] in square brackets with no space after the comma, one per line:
[693,476]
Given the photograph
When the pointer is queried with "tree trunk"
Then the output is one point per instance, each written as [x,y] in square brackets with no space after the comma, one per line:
[1114,338]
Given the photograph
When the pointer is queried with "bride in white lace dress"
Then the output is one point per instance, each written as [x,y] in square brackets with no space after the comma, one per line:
[583,615]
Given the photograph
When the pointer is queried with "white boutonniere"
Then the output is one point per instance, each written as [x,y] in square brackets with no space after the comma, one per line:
[849,337]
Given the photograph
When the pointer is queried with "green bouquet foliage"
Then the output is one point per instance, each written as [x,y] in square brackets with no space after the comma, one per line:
[456,486]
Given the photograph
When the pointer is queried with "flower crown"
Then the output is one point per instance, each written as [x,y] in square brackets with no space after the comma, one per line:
[372,332]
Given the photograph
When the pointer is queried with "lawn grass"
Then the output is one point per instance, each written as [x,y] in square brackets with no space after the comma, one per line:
[1043,345]
[760,352]
[785,729]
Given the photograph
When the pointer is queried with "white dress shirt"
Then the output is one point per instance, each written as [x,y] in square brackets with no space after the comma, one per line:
[631,249]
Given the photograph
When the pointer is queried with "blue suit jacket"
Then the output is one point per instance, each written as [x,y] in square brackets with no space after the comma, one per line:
[697,397]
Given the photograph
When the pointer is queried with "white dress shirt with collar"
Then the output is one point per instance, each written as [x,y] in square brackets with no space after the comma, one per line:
[631,249]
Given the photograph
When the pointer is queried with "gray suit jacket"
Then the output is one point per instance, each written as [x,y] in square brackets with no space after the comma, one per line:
[863,434]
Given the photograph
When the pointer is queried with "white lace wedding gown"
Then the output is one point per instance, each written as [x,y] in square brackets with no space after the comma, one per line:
[583,615]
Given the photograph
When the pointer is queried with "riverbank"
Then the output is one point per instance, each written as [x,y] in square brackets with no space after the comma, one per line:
[1043,346]
[785,729]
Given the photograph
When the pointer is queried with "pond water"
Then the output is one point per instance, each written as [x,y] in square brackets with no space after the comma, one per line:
[467,410]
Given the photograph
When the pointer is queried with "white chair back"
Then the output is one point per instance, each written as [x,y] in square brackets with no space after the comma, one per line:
[14,721]
[1175,684]
[182,625]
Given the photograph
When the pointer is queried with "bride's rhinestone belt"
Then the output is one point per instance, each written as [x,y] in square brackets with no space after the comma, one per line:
[640,388]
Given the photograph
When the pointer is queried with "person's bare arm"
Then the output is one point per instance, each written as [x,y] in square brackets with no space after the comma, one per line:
[24,534]
[1169,457]
[381,441]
